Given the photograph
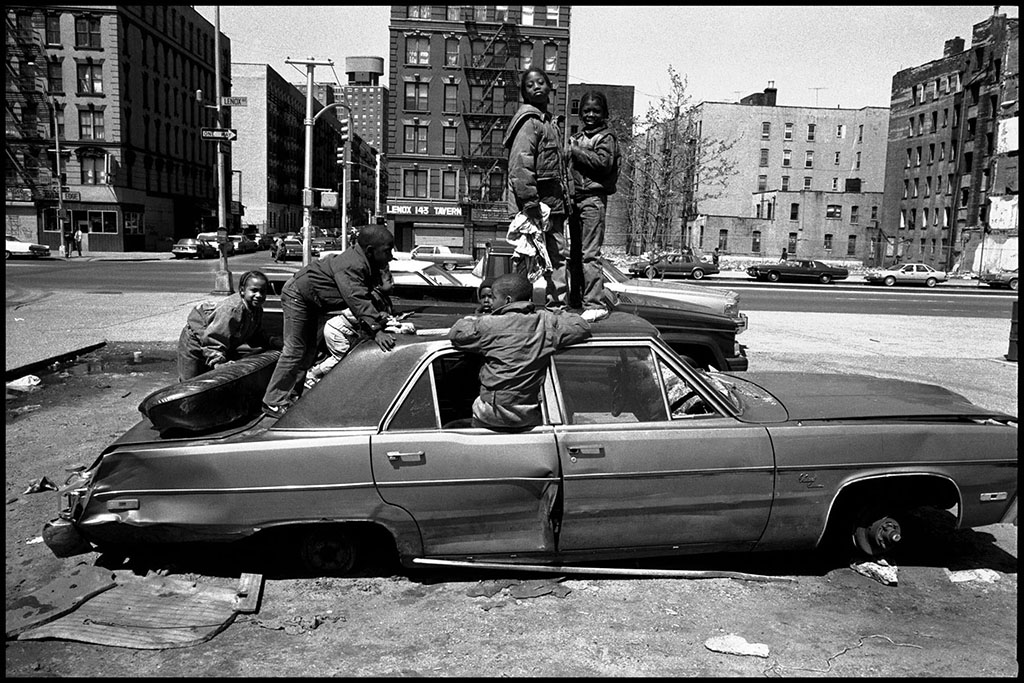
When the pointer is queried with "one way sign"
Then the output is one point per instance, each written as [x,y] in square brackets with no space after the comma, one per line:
[219,134]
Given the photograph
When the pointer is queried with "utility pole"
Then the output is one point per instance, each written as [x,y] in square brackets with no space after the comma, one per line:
[376,201]
[307,186]
[222,284]
[62,217]
[346,136]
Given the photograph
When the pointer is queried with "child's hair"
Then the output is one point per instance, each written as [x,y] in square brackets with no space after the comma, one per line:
[252,275]
[526,74]
[488,283]
[598,97]
[374,236]
[513,285]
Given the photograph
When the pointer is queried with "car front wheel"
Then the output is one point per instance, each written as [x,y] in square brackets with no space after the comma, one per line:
[773,276]
[651,272]
[329,551]
[1013,284]
[449,267]
[889,281]
[824,278]
[697,274]
[930,282]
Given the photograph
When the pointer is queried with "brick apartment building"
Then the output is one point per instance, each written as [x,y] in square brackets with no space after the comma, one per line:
[951,173]
[454,87]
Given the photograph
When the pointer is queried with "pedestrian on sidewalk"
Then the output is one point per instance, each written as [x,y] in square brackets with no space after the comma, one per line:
[214,331]
[593,155]
[78,241]
[357,279]
[279,253]
[534,175]
[69,238]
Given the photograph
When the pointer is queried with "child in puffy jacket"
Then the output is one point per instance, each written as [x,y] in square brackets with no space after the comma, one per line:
[594,164]
[535,175]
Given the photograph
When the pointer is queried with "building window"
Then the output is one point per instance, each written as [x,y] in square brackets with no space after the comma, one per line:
[917,157]
[910,129]
[837,158]
[449,184]
[928,186]
[810,132]
[787,157]
[527,15]
[417,11]
[449,140]
[90,124]
[860,133]
[416,96]
[723,240]
[912,220]
[451,97]
[938,185]
[794,211]
[874,213]
[415,140]
[835,184]
[920,123]
[94,169]
[945,117]
[785,183]
[856,163]
[453,13]
[762,183]
[906,188]
[59,111]
[417,50]
[766,129]
[851,245]
[917,187]
[809,159]
[550,58]
[764,157]
[480,12]
[451,52]
[788,132]
[828,242]
[910,156]
[854,214]
[415,184]
[935,121]
[807,182]
[497,186]
[841,131]
[54,77]
[931,153]
[755,241]
[924,218]
[90,79]
[53,29]
[501,13]
[833,211]
[553,15]
[87,32]
[525,56]
[791,246]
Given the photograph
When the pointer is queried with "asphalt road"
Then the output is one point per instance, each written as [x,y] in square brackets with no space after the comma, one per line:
[194,276]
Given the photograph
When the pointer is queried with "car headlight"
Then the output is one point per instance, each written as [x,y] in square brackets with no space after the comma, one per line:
[732,309]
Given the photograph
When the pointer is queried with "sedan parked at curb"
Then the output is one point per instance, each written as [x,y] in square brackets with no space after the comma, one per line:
[16,247]
[798,270]
[242,244]
[638,454]
[1000,278]
[674,264]
[906,274]
[190,247]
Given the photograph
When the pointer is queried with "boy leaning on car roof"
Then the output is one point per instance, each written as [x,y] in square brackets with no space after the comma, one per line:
[515,339]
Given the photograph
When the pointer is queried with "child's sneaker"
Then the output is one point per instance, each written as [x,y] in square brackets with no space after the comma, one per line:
[592,315]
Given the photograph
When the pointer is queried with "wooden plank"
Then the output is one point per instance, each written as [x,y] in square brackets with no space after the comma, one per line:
[57,598]
[248,596]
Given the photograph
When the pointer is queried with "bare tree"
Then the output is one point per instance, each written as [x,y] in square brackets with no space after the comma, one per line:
[669,168]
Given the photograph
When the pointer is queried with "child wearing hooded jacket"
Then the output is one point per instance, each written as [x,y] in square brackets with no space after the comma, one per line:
[534,176]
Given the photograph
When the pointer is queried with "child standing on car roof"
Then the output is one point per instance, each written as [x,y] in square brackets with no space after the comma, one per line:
[594,163]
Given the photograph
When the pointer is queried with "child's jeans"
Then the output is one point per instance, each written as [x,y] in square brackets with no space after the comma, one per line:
[590,211]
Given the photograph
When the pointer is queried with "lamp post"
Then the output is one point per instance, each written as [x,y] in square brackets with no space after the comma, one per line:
[222,284]
[61,214]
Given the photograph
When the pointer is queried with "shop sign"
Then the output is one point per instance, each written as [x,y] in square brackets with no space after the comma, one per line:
[424,210]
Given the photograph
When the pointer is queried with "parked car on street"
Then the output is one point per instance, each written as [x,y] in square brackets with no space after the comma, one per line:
[16,247]
[639,454]
[906,274]
[1000,278]
[189,247]
[798,270]
[448,259]
[264,241]
[212,239]
[673,264]
[242,244]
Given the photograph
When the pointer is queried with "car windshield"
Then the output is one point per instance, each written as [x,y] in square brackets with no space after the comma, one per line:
[726,387]
[613,272]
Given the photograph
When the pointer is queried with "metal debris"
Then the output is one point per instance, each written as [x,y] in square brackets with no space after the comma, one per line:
[40,485]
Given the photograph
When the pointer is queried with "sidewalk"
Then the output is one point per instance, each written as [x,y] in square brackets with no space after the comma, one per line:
[114,256]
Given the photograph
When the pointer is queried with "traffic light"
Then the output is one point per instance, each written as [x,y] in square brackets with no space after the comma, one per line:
[341,155]
[343,130]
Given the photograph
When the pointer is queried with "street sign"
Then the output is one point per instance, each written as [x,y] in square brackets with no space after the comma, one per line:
[234,101]
[219,134]
[71,196]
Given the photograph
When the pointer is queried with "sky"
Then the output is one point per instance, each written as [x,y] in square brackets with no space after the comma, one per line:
[827,56]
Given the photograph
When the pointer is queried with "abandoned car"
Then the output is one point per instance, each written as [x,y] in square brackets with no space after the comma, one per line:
[639,454]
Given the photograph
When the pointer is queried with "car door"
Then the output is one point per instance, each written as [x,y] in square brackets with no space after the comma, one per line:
[646,465]
[471,490]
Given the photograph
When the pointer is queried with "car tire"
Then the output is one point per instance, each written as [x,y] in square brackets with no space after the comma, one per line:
[697,274]
[825,278]
[774,276]
[1013,284]
[889,281]
[7,256]
[449,267]
[930,282]
[876,534]
[329,550]
[651,272]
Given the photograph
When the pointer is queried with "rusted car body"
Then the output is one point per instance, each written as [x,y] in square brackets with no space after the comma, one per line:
[639,454]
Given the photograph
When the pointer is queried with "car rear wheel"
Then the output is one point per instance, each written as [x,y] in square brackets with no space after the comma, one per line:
[697,274]
[1013,284]
[889,281]
[449,267]
[651,272]
[329,550]
[824,278]
[773,276]
[930,282]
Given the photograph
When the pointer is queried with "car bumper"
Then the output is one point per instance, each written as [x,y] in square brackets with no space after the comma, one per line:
[64,539]
[738,362]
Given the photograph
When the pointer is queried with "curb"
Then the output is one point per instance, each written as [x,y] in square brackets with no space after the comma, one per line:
[36,366]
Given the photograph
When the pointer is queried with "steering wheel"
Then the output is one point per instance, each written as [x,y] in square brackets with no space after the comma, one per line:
[681,401]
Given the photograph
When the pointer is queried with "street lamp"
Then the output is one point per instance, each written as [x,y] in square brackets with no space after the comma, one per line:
[61,213]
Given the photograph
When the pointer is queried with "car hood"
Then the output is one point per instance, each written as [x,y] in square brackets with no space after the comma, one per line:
[837,397]
[712,298]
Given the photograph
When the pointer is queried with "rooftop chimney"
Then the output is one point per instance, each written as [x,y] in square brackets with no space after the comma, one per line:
[954,46]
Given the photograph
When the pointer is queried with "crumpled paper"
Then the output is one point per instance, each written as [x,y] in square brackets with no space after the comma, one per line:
[733,644]
[40,485]
[881,571]
[984,575]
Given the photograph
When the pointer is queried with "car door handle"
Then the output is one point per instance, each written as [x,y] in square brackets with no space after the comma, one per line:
[585,452]
[415,457]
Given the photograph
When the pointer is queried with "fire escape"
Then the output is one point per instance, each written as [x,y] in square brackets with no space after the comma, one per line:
[486,117]
[26,174]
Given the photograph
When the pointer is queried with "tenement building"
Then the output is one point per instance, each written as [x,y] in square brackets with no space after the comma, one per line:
[454,87]
[951,172]
[113,87]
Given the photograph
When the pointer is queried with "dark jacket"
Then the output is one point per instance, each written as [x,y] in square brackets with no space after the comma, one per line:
[534,164]
[516,341]
[346,280]
[595,162]
[219,328]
